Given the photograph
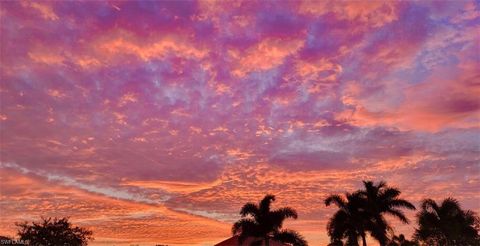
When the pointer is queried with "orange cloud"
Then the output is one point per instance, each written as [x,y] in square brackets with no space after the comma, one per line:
[315,74]
[45,11]
[127,98]
[58,56]
[124,43]
[375,13]
[267,54]
[87,62]
[238,154]
[120,118]
[312,69]
[195,130]
[46,57]
[56,93]
[112,220]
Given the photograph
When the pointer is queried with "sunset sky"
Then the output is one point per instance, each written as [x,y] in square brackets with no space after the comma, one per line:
[154,121]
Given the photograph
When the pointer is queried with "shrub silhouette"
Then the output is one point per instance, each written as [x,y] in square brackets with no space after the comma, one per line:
[54,232]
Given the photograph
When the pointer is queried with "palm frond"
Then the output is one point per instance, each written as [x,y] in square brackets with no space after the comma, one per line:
[367,183]
[427,222]
[471,218]
[278,216]
[291,237]
[378,229]
[401,203]
[265,203]
[286,212]
[399,215]
[338,225]
[430,204]
[356,199]
[382,184]
[337,200]
[243,225]
[389,193]
[249,209]
[450,205]
[427,219]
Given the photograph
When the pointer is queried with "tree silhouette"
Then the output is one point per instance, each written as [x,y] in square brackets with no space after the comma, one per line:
[401,241]
[260,222]
[447,224]
[54,232]
[382,199]
[349,222]
[363,211]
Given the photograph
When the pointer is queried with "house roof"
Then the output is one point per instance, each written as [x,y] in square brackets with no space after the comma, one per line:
[233,241]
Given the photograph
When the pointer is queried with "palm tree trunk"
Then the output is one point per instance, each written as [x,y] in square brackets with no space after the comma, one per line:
[267,242]
[364,241]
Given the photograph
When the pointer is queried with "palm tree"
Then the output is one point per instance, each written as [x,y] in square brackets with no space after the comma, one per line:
[349,222]
[260,222]
[382,199]
[447,224]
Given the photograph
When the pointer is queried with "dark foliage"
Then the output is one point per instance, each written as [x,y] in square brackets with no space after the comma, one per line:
[259,221]
[380,200]
[54,232]
[447,224]
[363,211]
[401,241]
[349,222]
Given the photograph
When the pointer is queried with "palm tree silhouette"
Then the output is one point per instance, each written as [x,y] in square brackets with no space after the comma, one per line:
[381,199]
[350,221]
[260,222]
[447,224]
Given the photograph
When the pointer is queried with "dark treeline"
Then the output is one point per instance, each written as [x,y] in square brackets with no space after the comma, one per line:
[359,214]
